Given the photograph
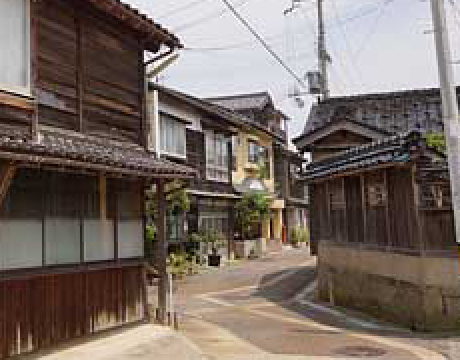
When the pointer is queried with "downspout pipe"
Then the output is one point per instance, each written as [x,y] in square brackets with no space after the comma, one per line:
[160,56]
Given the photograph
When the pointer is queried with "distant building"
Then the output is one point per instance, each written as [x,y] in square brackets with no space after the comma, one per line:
[339,123]
[381,210]
[260,110]
[229,150]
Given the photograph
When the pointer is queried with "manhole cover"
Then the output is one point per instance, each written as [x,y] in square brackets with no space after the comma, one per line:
[360,351]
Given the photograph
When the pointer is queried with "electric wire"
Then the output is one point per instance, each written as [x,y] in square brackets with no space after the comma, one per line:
[181,9]
[263,43]
[382,8]
[212,16]
[366,11]
[348,50]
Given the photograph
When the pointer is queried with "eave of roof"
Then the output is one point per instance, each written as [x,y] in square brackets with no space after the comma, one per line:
[359,123]
[82,152]
[214,110]
[389,151]
[244,97]
[139,22]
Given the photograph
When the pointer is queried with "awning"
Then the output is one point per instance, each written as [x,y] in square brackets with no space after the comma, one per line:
[83,152]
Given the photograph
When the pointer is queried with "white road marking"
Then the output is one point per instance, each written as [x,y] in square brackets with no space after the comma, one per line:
[420,352]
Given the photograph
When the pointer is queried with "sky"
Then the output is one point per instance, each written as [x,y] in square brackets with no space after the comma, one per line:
[375,46]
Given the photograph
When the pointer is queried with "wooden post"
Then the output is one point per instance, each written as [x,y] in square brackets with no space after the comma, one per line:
[161,251]
[364,202]
[6,177]
[79,72]
[35,9]
[344,198]
[387,207]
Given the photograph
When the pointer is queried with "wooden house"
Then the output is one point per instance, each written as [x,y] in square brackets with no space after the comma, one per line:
[383,223]
[254,147]
[288,165]
[339,123]
[198,134]
[73,168]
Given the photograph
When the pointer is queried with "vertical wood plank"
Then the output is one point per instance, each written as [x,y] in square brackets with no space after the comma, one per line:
[387,207]
[35,8]
[161,251]
[364,206]
[80,76]
[143,100]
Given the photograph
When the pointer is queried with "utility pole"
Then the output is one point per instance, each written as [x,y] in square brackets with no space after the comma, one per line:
[323,56]
[449,104]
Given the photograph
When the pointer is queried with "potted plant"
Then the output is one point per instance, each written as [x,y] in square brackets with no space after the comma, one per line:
[178,265]
[251,210]
[295,237]
[215,239]
[304,237]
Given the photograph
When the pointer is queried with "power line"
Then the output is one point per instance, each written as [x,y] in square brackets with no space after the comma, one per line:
[181,9]
[263,43]
[383,6]
[346,39]
[204,19]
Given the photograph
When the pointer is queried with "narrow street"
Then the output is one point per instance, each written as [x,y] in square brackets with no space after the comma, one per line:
[264,309]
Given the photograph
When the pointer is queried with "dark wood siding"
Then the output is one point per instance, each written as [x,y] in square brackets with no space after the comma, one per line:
[354,209]
[89,75]
[196,158]
[375,211]
[402,216]
[57,65]
[44,310]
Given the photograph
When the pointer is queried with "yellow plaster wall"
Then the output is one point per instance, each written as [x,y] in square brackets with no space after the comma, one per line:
[244,167]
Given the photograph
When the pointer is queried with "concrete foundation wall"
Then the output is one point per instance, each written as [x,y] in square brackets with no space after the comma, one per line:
[420,293]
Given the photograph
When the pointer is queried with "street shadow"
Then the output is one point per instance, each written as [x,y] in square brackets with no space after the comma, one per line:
[283,293]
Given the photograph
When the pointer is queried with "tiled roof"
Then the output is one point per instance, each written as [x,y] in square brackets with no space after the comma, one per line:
[391,150]
[394,112]
[256,101]
[137,21]
[87,153]
[234,118]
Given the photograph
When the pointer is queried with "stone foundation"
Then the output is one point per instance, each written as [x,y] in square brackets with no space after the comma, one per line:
[419,293]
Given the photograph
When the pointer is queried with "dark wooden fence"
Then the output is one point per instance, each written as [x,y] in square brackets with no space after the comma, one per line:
[389,209]
[39,311]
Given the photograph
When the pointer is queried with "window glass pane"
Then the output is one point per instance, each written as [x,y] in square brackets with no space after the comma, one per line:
[173,135]
[62,219]
[98,233]
[130,219]
[14,35]
[21,221]
[225,153]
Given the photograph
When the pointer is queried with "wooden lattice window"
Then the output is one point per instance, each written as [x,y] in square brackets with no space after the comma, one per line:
[435,196]
[377,195]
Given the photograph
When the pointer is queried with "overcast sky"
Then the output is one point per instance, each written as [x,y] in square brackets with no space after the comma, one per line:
[375,45]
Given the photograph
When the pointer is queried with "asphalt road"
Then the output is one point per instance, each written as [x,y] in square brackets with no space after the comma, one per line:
[265,309]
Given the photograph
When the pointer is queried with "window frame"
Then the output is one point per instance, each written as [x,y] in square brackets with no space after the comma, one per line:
[27,89]
[164,117]
[217,147]
[262,156]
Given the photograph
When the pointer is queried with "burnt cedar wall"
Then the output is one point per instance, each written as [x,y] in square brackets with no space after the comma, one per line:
[87,71]
[378,210]
[43,310]
[196,158]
